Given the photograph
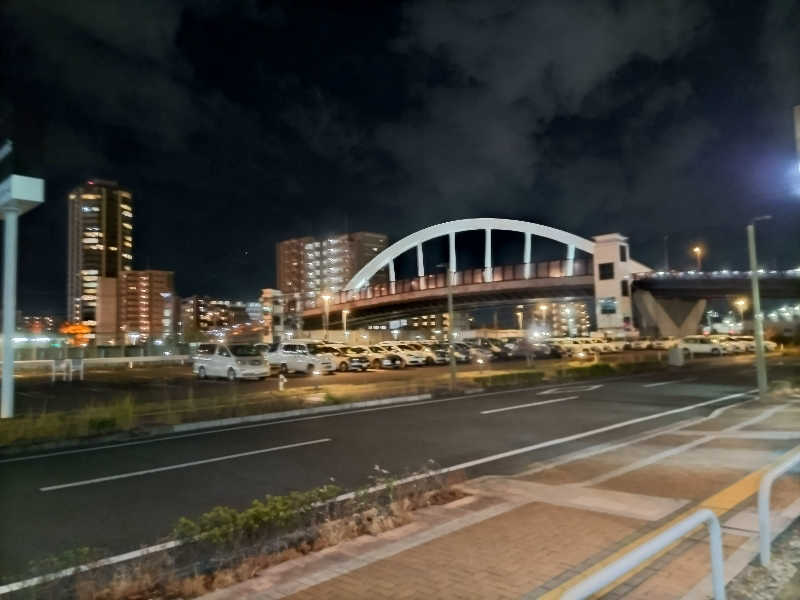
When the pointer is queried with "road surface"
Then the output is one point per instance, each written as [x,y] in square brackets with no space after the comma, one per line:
[123,496]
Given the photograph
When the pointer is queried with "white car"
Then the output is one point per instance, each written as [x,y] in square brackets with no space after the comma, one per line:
[616,345]
[410,356]
[232,361]
[427,351]
[699,344]
[642,344]
[750,343]
[664,343]
[299,356]
[734,345]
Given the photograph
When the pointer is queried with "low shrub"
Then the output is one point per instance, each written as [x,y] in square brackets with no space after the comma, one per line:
[225,525]
[509,379]
[592,370]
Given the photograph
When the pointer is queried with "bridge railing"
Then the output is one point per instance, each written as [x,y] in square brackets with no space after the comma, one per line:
[536,270]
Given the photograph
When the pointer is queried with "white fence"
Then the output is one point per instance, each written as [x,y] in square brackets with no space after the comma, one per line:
[633,559]
[67,367]
[764,491]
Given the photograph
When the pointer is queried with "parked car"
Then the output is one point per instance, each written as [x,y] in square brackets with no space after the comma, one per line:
[357,358]
[232,361]
[734,345]
[664,343]
[617,345]
[410,356]
[700,344]
[644,343]
[750,343]
[425,350]
[299,356]
[476,353]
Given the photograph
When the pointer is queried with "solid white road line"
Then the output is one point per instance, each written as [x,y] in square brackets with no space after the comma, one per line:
[193,463]
[658,383]
[515,407]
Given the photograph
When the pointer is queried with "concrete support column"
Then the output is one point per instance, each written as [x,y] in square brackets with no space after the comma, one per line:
[392,279]
[11,217]
[570,263]
[420,262]
[487,257]
[452,267]
[526,256]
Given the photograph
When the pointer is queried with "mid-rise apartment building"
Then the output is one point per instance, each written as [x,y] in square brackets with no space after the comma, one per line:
[308,267]
[136,307]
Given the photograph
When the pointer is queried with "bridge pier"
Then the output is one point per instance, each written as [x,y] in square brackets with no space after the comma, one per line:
[420,262]
[570,262]
[392,279]
[526,255]
[487,257]
[675,317]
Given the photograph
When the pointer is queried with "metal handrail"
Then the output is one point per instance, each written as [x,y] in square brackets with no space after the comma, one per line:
[618,568]
[764,490]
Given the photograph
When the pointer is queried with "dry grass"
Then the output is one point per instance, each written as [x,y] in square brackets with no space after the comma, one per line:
[154,579]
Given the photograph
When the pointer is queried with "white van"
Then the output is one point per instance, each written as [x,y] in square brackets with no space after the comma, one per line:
[232,361]
[300,356]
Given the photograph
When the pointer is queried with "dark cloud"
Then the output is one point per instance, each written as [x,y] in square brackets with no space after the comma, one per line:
[240,122]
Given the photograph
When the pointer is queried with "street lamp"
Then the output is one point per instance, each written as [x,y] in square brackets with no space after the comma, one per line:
[543,309]
[698,253]
[450,323]
[758,317]
[519,319]
[345,312]
[741,304]
[18,195]
[325,299]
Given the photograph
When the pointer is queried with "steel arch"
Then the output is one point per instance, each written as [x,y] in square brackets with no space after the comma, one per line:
[449,228]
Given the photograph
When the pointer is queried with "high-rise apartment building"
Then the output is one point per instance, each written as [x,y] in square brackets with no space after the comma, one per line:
[147,306]
[100,246]
[310,266]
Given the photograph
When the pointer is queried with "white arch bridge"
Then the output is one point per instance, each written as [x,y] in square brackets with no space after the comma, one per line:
[490,285]
[386,258]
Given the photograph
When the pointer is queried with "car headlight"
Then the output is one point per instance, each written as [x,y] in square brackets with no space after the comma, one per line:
[239,361]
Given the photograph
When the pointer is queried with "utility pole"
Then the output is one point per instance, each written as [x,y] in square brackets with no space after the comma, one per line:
[666,252]
[450,329]
[758,316]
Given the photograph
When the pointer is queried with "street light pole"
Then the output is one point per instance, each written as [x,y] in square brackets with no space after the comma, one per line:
[344,321]
[18,194]
[450,319]
[758,317]
[698,252]
[325,299]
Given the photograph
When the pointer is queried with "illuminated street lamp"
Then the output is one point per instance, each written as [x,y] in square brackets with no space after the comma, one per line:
[741,304]
[345,312]
[519,319]
[18,195]
[325,299]
[698,253]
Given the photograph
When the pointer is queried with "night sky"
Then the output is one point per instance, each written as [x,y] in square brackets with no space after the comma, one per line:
[238,123]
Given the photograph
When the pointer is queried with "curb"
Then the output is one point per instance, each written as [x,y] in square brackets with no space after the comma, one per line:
[299,412]
[166,430]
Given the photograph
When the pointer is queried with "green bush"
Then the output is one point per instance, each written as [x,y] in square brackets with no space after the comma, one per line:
[638,367]
[509,379]
[225,525]
[592,370]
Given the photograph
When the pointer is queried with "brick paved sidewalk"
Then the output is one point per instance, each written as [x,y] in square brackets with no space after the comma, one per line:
[536,534]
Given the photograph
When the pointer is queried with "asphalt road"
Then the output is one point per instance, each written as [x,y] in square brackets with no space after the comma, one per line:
[122,497]
[36,393]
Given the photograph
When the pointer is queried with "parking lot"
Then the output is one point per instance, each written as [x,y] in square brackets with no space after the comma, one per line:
[163,384]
